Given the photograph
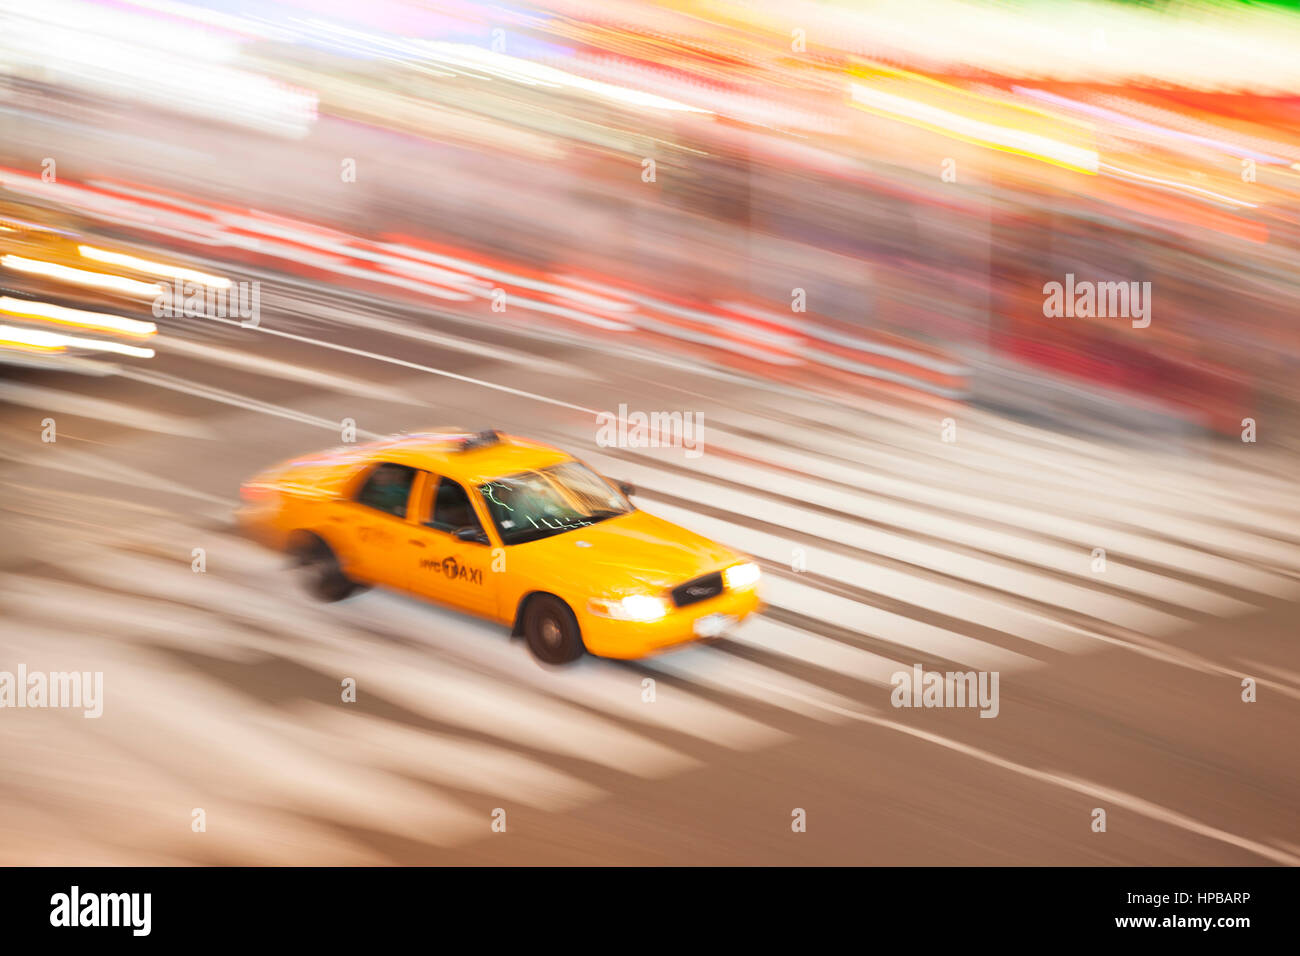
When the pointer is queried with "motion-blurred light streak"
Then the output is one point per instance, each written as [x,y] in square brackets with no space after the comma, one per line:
[83,277]
[55,341]
[137,264]
[77,318]
[1176,186]
[972,130]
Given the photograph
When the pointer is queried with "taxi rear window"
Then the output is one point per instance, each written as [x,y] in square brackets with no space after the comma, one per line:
[388,488]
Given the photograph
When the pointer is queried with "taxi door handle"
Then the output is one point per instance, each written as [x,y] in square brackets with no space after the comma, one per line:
[416,541]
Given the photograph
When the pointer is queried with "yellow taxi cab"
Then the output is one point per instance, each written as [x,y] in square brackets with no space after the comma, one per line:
[504,528]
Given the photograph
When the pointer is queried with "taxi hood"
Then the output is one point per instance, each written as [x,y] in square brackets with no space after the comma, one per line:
[634,552]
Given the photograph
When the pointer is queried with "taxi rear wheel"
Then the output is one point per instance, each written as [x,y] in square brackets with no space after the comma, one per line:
[552,631]
[320,573]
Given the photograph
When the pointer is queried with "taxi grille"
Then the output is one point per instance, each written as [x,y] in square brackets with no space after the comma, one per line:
[699,589]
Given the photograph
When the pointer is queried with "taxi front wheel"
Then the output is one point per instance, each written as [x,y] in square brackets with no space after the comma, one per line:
[552,631]
[318,568]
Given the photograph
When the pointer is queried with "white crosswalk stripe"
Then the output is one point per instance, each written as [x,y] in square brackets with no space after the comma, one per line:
[830,655]
[906,632]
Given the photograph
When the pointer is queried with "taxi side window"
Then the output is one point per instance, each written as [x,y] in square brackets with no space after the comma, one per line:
[452,508]
[388,488]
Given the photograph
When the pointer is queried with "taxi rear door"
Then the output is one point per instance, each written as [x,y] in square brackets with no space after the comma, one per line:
[369,529]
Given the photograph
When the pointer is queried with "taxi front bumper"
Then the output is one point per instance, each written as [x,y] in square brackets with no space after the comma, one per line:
[607,637]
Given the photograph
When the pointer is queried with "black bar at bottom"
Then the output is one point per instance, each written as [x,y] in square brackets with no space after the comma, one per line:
[301,905]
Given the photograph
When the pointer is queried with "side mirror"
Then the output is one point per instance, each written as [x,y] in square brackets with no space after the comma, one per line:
[470,533]
[627,488]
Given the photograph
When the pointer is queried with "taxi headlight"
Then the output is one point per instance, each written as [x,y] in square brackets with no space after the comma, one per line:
[643,608]
[740,575]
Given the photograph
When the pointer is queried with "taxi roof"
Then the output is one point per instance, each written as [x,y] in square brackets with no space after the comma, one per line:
[443,454]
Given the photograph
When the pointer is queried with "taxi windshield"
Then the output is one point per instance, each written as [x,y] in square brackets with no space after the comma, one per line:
[550,501]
